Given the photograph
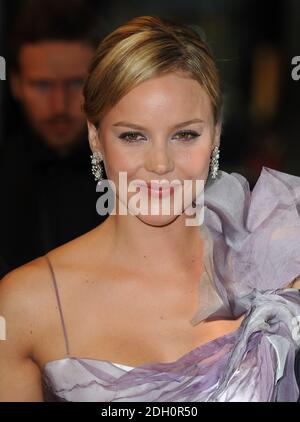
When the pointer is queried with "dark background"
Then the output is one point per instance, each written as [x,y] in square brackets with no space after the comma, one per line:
[254,42]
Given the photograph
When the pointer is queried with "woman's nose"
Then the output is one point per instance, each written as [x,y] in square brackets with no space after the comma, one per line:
[159,160]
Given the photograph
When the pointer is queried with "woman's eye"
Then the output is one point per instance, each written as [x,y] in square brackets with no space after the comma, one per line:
[186,135]
[131,136]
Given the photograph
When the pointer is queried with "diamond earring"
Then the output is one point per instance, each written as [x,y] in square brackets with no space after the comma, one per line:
[97,166]
[214,163]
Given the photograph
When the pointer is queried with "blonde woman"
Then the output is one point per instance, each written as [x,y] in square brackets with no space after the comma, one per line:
[147,307]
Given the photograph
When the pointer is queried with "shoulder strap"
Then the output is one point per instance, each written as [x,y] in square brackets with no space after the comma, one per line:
[59,304]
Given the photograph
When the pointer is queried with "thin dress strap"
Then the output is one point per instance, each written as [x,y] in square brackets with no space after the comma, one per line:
[59,305]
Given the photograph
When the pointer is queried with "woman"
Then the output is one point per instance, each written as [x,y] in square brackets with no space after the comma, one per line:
[147,307]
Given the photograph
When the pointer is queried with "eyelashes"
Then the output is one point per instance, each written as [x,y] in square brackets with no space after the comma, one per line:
[130,137]
[187,135]
[183,135]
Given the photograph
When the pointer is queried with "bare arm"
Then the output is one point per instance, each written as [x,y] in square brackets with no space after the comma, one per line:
[20,378]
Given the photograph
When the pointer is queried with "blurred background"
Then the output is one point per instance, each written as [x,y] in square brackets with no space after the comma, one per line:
[253,42]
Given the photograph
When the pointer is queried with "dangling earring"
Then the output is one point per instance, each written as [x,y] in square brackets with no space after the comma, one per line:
[214,163]
[97,166]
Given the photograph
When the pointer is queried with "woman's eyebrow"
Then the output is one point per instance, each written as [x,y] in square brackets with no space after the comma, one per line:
[135,126]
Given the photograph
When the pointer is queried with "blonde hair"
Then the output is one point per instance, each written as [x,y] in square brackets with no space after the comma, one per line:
[143,48]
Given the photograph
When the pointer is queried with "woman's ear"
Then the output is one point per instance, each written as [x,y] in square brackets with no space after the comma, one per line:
[94,140]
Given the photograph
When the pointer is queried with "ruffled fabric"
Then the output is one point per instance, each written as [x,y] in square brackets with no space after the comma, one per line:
[252,252]
[255,236]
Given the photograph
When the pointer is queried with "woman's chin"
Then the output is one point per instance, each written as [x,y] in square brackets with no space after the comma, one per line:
[157,220]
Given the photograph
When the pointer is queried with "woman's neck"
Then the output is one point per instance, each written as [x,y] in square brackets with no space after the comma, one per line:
[171,248]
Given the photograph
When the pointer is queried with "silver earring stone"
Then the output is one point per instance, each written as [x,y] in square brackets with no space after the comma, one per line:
[97,166]
[214,163]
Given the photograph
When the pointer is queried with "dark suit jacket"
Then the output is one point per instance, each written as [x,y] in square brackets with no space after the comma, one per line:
[46,199]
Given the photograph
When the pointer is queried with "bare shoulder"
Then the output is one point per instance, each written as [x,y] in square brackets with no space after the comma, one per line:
[29,309]
[24,293]
[25,290]
[24,297]
[20,285]
[80,261]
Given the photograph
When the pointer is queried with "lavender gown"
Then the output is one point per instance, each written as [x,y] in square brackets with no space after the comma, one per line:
[252,252]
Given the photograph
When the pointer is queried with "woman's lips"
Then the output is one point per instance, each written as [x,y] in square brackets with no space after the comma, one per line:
[159,191]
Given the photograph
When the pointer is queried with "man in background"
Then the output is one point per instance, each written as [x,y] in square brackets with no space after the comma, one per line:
[48,194]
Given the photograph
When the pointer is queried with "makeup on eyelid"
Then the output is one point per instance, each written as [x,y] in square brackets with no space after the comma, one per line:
[190,136]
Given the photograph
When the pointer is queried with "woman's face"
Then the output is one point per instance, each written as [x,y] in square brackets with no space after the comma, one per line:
[163,129]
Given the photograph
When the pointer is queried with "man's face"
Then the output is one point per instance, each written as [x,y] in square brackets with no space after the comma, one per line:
[49,86]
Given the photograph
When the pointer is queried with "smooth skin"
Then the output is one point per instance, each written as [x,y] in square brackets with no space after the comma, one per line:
[128,287]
